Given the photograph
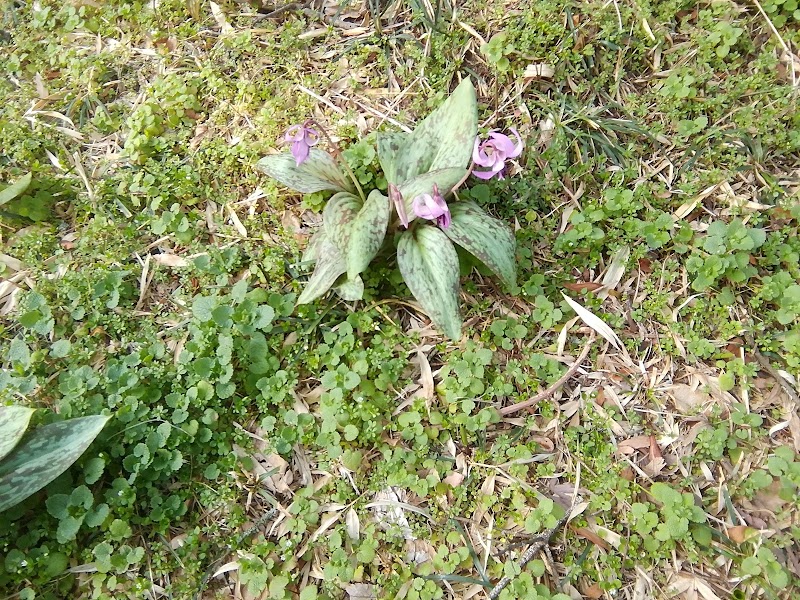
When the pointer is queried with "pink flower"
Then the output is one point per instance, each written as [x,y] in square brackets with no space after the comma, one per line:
[302,138]
[399,204]
[432,207]
[494,152]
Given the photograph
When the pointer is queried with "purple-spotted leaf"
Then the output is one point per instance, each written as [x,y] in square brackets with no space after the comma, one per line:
[486,238]
[429,265]
[444,139]
[357,229]
[317,173]
[330,265]
[338,217]
[444,179]
[350,290]
[367,232]
[43,455]
[13,423]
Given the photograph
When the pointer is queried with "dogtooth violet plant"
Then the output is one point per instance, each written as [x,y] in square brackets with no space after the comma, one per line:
[423,168]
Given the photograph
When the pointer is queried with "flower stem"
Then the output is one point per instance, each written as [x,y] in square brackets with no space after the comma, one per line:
[464,178]
[337,154]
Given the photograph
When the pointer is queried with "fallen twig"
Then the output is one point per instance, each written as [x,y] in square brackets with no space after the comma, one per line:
[507,410]
[541,540]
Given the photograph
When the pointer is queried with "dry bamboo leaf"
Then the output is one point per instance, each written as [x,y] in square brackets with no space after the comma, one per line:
[219,17]
[594,322]
[425,376]
[615,271]
[226,568]
[587,533]
[353,525]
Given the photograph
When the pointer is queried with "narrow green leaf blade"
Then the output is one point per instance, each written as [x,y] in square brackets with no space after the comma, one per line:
[15,189]
[445,179]
[429,265]
[367,233]
[330,264]
[350,290]
[444,139]
[486,238]
[338,217]
[43,455]
[13,423]
[318,172]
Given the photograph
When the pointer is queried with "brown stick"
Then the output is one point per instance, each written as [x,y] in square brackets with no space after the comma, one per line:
[507,410]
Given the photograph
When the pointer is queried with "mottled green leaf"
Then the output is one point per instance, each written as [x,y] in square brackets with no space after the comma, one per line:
[43,455]
[486,238]
[337,218]
[390,147]
[317,173]
[444,139]
[357,229]
[15,189]
[445,179]
[367,233]
[13,423]
[350,290]
[429,265]
[330,264]
[312,250]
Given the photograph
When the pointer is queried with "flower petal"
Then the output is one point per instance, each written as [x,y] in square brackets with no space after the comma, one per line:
[399,205]
[311,136]
[503,144]
[426,208]
[518,148]
[484,174]
[300,152]
[295,133]
[479,155]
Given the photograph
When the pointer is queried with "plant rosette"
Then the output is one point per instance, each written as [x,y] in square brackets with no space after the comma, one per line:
[423,169]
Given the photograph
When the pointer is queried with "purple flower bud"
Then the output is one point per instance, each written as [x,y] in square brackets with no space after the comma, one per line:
[433,207]
[494,152]
[399,204]
[302,138]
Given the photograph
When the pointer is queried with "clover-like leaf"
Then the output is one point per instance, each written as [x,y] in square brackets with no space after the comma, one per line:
[43,455]
[486,238]
[330,265]
[429,264]
[317,173]
[444,139]
[13,423]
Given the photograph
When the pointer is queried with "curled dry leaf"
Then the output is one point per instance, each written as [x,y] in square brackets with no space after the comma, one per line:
[170,260]
[360,591]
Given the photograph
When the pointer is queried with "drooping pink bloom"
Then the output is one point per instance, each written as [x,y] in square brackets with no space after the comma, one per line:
[399,204]
[494,152]
[302,138]
[433,207]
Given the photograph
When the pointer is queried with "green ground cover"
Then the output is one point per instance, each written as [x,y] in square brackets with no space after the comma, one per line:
[258,449]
